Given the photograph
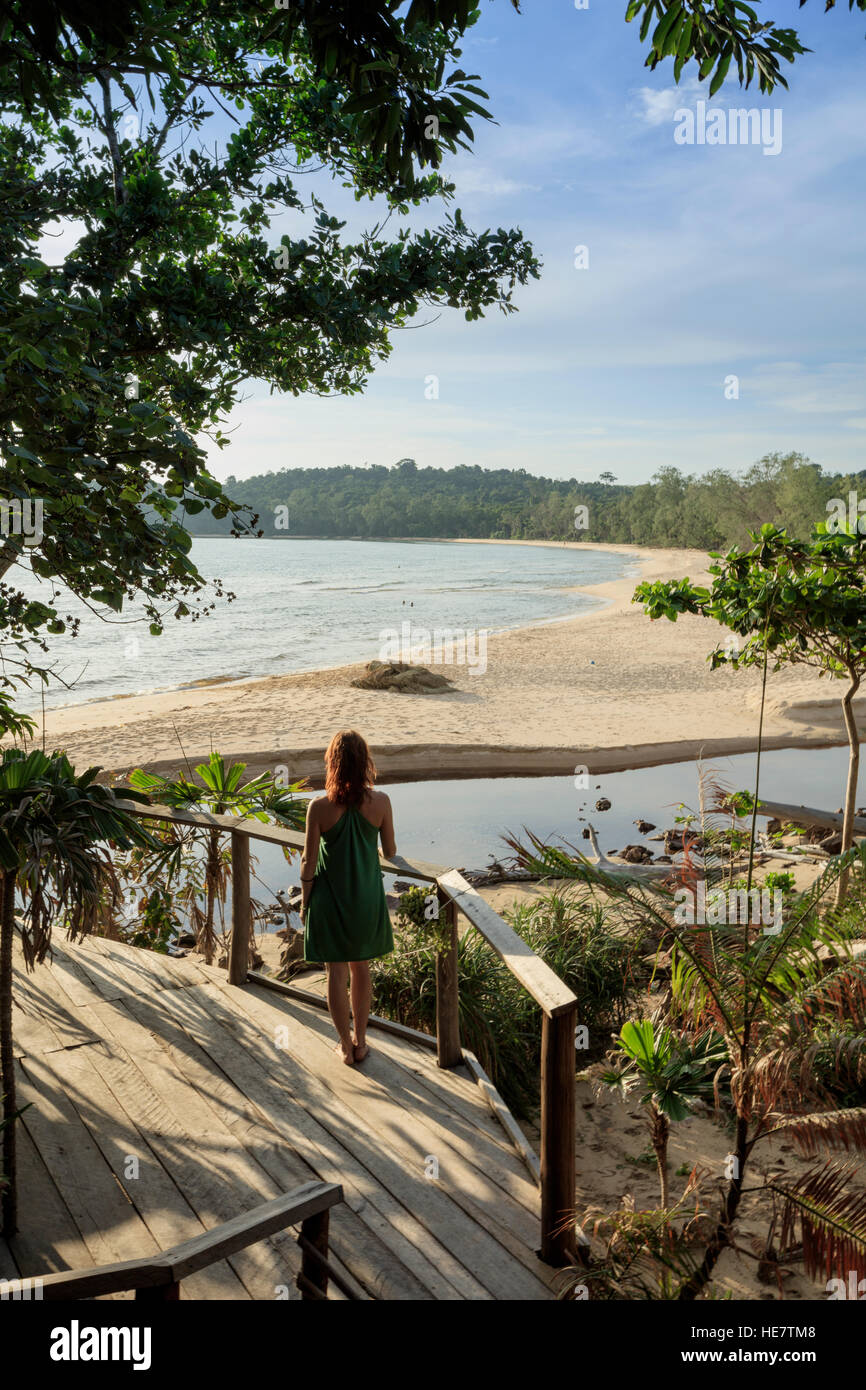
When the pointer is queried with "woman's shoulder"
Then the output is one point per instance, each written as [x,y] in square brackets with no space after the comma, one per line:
[376,798]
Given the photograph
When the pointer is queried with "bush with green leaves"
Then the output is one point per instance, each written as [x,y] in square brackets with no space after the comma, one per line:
[499,1022]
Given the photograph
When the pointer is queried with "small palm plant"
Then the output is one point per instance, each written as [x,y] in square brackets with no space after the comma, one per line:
[220,790]
[748,982]
[672,1072]
[57,833]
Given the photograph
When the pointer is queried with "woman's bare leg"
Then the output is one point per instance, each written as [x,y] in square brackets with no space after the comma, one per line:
[338,1004]
[362,993]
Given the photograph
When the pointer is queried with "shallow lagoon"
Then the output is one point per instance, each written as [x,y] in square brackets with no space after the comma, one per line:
[460,823]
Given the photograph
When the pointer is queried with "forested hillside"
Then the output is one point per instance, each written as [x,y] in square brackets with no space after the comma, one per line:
[707,511]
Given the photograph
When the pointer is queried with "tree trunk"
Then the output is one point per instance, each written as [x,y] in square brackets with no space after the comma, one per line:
[7,1064]
[851,788]
[660,1131]
[721,1237]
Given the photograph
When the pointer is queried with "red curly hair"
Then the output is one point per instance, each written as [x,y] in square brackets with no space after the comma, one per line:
[349,769]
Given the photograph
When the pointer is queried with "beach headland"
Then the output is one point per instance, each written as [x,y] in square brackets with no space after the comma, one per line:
[607,690]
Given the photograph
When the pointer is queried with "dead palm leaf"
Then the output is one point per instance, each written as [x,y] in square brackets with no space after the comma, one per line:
[827,1129]
[832,1220]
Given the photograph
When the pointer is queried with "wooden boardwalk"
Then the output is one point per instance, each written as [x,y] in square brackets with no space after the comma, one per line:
[165,1101]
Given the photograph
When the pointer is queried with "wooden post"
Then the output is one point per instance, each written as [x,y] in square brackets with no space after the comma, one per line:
[557,1137]
[448,1049]
[239,949]
[315,1230]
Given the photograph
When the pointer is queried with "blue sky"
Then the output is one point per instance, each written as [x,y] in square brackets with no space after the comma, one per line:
[705,262]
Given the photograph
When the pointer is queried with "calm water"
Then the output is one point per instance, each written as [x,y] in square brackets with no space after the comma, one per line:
[460,824]
[305,604]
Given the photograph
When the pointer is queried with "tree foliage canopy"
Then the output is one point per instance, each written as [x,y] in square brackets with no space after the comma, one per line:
[119,358]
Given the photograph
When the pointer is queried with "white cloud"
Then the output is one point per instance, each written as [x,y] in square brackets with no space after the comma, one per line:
[474,179]
[659,104]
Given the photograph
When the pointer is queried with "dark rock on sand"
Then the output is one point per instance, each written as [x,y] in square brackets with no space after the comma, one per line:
[674,842]
[644,826]
[636,854]
[405,680]
[602,804]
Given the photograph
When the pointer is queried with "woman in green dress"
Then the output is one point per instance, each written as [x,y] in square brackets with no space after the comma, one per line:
[345,915]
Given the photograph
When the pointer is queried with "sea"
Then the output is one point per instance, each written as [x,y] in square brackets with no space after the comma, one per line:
[302,605]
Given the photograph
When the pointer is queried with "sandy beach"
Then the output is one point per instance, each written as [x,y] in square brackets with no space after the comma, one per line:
[607,690]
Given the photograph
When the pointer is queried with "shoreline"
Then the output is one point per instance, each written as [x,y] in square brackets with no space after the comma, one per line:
[223,681]
[605,689]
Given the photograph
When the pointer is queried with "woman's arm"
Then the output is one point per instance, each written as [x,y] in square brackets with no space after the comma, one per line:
[386,830]
[310,856]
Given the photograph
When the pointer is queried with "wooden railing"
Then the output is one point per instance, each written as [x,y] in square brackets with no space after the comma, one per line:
[556,1171]
[157,1278]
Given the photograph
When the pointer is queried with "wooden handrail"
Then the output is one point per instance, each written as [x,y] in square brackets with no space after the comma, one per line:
[536,977]
[156,1275]
[272,834]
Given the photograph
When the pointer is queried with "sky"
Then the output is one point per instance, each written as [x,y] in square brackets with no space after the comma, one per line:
[721,313]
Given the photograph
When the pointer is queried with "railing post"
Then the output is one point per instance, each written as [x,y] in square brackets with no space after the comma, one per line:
[239,947]
[448,1049]
[558,1137]
[314,1230]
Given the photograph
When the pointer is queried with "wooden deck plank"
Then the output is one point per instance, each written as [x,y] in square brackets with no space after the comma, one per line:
[109,1224]
[302,1126]
[145,968]
[215,1174]
[42,1020]
[435,1207]
[152,1191]
[48,1241]
[82,985]
[193,1078]
[407,1132]
[449,1084]
[366,1258]
[240,1117]
[392,1069]
[105,965]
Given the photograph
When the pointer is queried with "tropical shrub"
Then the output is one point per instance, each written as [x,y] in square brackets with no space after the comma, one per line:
[499,1022]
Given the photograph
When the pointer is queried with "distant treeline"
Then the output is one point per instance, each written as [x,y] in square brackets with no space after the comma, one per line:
[710,511]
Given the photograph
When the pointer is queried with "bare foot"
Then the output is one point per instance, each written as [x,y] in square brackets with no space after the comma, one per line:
[348,1057]
[361,1051]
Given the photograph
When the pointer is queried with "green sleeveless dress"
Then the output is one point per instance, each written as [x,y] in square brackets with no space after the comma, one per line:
[347,916]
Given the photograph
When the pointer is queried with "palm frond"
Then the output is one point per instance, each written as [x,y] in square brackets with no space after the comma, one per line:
[825,1129]
[832,1220]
